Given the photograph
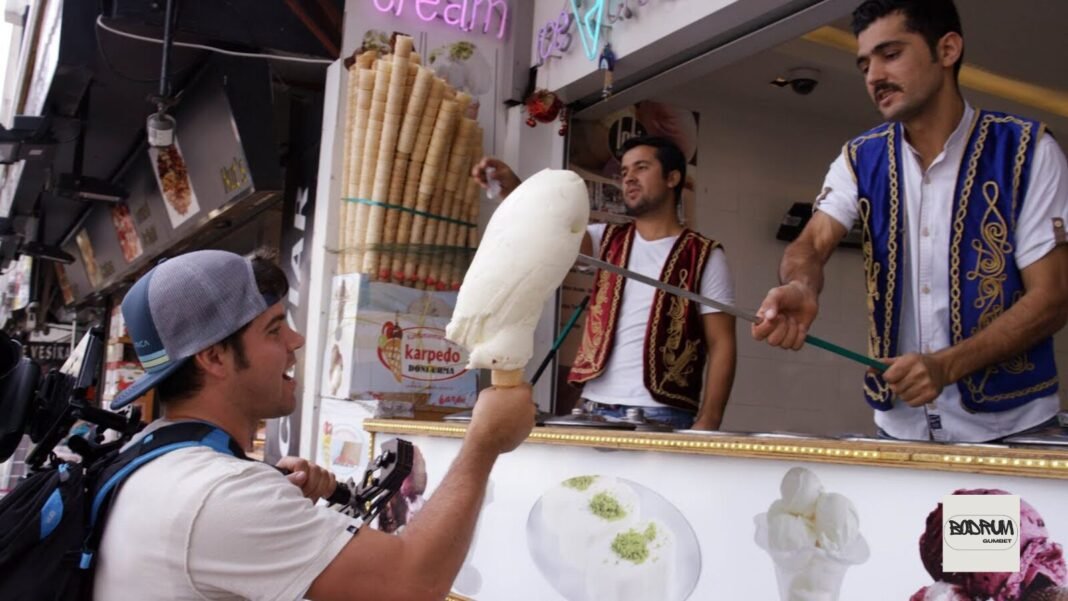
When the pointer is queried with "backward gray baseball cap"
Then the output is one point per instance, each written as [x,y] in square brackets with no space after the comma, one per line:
[183,306]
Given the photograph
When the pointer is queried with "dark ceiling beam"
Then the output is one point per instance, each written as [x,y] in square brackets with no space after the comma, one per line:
[333,15]
[327,40]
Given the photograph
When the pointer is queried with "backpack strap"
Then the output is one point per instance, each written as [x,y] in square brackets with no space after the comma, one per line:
[107,483]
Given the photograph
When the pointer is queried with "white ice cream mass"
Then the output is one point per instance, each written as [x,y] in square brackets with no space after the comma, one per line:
[812,536]
[529,245]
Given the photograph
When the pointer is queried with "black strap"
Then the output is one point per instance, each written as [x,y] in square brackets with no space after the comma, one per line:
[185,432]
[106,483]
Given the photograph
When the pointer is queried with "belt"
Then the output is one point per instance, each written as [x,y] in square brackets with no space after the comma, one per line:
[607,405]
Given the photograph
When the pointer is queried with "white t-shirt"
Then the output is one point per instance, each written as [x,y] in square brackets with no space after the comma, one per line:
[198,524]
[925,295]
[621,382]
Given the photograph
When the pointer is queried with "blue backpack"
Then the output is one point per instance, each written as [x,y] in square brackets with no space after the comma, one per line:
[51,524]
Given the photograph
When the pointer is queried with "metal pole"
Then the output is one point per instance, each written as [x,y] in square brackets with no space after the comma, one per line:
[168,32]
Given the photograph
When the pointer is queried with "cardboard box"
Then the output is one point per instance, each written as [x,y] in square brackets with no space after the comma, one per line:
[387,342]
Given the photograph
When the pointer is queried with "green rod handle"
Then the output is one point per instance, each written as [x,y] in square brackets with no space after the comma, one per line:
[848,354]
[560,338]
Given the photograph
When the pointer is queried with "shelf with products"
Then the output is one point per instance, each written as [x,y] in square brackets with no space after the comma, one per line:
[121,366]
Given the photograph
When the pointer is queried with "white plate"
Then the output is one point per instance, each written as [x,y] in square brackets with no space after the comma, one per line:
[569,580]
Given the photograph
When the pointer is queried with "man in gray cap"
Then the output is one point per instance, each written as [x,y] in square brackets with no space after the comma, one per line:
[210,329]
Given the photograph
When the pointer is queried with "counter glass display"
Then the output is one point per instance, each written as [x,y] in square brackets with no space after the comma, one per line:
[579,514]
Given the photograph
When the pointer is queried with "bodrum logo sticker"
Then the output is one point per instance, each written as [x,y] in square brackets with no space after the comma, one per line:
[981,533]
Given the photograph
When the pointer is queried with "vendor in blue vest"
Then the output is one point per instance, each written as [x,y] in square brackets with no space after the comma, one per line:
[963,216]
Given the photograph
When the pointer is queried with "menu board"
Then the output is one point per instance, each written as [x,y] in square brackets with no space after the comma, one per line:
[176,190]
[172,176]
[129,241]
[210,148]
[150,219]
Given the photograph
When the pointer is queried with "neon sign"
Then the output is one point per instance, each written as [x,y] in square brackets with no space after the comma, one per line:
[589,26]
[556,36]
[461,14]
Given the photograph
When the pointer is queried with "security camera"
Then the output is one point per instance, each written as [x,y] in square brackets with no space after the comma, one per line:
[803,86]
[802,80]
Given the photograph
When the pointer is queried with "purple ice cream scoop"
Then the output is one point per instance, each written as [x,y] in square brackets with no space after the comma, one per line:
[1041,560]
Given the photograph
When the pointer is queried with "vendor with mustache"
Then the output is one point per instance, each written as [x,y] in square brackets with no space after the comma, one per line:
[963,216]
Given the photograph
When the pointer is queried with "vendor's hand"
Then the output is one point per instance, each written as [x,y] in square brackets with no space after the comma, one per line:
[786,315]
[502,173]
[916,379]
[502,419]
[315,482]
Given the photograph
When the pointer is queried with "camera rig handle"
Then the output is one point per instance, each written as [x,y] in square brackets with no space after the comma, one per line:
[381,480]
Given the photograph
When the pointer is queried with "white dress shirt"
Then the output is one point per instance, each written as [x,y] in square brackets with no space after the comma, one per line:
[924,321]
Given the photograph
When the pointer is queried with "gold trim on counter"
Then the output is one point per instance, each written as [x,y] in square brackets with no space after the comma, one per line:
[1005,461]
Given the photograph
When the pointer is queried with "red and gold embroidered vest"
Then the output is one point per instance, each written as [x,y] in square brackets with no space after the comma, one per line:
[674,351]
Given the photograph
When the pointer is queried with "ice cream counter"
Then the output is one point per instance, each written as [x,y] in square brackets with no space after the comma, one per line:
[606,515]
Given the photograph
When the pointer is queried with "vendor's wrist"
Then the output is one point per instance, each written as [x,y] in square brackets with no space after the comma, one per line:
[801,286]
[946,363]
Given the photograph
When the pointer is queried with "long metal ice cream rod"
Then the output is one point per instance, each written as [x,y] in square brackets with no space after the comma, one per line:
[697,298]
[728,309]
[560,338]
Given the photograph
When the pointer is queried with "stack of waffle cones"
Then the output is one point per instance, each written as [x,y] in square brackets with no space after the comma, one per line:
[408,200]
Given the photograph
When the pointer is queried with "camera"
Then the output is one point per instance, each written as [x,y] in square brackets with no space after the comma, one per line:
[45,406]
[803,80]
[803,86]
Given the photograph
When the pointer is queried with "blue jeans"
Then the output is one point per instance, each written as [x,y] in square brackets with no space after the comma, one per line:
[679,419]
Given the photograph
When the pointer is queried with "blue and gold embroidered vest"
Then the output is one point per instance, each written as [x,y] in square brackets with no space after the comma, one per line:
[983,279]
